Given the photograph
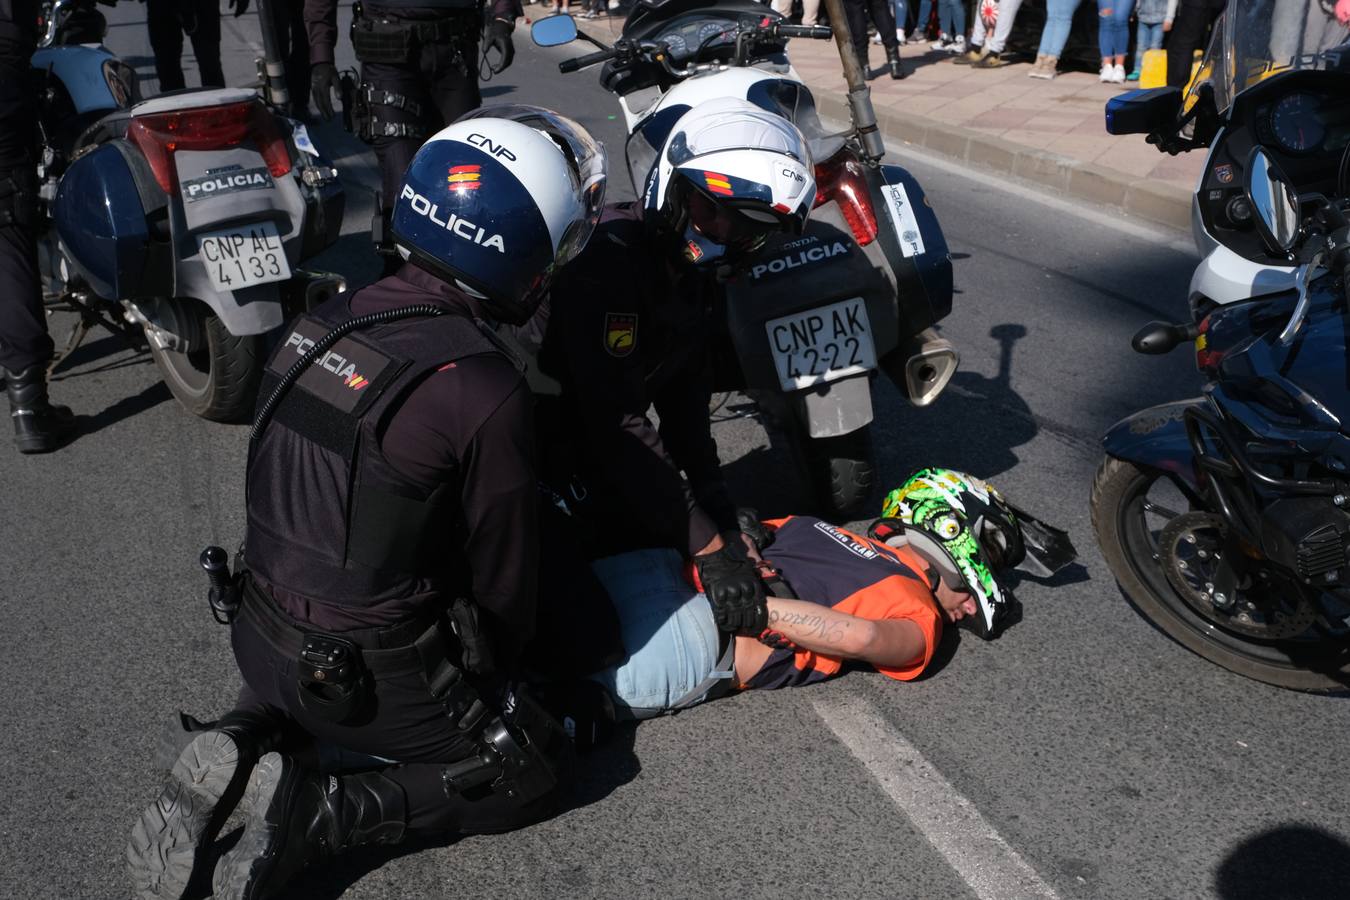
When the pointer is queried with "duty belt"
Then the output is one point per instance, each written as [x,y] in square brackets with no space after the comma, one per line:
[418,645]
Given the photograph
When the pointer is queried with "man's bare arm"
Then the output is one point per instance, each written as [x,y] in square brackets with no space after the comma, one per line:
[888,642]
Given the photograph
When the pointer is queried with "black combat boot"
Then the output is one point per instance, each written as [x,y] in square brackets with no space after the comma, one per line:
[172,839]
[38,425]
[894,63]
[298,817]
[862,60]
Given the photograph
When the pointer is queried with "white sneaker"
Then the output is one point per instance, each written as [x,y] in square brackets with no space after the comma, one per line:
[613,4]
[1105,75]
[876,38]
[1117,74]
[900,37]
[958,45]
[941,43]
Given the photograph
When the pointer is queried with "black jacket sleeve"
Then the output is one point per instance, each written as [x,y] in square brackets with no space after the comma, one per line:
[321,28]
[599,337]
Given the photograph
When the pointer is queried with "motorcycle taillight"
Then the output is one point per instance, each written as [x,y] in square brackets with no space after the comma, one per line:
[159,135]
[841,179]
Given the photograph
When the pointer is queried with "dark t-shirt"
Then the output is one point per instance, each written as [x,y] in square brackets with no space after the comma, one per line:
[827,565]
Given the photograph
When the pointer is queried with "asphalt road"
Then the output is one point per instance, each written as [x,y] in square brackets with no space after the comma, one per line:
[1083,749]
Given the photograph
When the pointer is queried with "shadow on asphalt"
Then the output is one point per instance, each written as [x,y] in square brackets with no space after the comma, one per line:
[123,409]
[1291,862]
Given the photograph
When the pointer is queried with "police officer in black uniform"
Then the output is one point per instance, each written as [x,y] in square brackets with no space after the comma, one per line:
[392,544]
[25,347]
[419,70]
[627,329]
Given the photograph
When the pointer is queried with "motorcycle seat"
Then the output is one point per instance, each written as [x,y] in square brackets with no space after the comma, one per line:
[110,127]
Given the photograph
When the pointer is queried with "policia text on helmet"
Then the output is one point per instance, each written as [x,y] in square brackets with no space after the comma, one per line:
[376,607]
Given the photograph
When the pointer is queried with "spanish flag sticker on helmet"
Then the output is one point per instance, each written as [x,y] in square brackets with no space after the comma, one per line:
[464,178]
[718,184]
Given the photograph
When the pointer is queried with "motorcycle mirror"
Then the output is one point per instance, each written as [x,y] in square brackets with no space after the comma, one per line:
[1157,338]
[1143,112]
[1274,201]
[554,31]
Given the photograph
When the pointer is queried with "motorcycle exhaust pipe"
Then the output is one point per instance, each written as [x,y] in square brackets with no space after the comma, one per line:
[923,365]
[310,289]
[859,94]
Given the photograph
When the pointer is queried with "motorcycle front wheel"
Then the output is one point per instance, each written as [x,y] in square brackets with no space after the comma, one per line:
[1128,521]
[219,380]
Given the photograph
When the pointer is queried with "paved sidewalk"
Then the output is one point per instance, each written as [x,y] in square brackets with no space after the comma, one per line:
[1047,132]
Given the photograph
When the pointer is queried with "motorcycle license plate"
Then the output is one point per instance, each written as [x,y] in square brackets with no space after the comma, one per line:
[244,255]
[822,344]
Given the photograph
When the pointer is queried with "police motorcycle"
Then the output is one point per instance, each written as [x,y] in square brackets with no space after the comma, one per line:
[814,316]
[181,220]
[1224,517]
[1264,81]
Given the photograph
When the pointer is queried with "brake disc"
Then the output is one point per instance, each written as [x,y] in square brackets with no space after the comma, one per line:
[1191,549]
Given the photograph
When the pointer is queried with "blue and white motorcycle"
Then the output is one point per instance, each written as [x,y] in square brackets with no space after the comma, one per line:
[182,218]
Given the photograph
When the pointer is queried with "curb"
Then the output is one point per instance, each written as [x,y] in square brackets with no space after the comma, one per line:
[1141,197]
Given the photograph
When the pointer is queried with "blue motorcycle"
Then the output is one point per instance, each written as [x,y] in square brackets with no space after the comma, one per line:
[180,221]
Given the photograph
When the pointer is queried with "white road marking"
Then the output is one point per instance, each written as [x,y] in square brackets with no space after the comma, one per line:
[952,824]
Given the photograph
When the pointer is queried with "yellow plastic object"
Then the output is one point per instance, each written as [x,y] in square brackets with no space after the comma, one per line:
[1154,72]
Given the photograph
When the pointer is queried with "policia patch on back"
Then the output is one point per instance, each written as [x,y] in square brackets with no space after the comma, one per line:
[620,334]
[341,376]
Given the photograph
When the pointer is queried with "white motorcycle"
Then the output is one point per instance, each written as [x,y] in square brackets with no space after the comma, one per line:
[872,253]
[1265,82]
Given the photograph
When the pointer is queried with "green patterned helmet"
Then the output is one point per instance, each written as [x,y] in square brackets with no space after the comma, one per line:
[962,526]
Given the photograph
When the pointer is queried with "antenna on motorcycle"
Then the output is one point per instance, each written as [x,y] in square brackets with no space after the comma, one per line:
[859,94]
[273,68]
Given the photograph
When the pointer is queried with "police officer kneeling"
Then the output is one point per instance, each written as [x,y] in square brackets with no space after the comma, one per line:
[392,540]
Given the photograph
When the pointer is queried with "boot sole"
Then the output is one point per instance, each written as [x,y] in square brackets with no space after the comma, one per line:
[241,873]
[174,833]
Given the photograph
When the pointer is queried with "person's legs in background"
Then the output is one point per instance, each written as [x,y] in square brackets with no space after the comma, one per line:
[1148,36]
[1187,35]
[992,56]
[1113,38]
[900,8]
[296,53]
[205,39]
[1058,20]
[810,12]
[25,346]
[883,17]
[166,42]
[921,22]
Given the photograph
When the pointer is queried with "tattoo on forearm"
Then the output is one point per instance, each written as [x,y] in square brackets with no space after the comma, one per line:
[819,626]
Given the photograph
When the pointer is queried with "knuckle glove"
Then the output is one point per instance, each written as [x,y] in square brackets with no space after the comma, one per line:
[733,588]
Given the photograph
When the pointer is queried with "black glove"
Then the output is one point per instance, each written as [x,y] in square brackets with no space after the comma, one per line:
[733,587]
[239,6]
[753,528]
[499,39]
[323,81]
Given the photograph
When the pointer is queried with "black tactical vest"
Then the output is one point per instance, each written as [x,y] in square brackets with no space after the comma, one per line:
[328,516]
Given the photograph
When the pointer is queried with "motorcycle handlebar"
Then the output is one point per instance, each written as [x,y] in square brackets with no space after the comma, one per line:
[817,32]
[581,62]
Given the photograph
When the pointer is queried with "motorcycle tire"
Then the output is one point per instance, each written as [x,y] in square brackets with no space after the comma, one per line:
[842,472]
[1118,492]
[218,382]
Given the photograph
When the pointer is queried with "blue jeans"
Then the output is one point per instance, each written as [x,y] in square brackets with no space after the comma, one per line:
[1147,37]
[669,635]
[925,12]
[952,17]
[901,8]
[1058,20]
[1113,28]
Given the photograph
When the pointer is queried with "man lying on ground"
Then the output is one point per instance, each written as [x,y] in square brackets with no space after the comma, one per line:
[835,597]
